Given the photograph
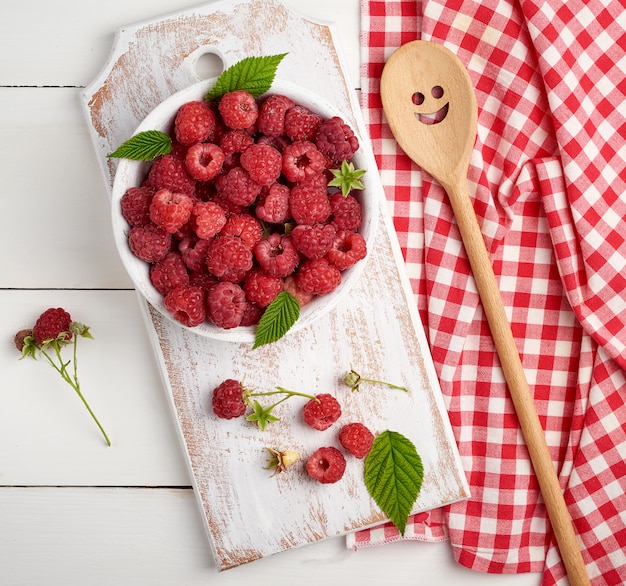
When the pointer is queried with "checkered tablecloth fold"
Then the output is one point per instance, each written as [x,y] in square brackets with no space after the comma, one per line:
[547,176]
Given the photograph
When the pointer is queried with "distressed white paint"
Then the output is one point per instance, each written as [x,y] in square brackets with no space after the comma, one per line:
[247,514]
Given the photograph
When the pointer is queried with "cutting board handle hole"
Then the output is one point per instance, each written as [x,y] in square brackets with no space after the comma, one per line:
[209,65]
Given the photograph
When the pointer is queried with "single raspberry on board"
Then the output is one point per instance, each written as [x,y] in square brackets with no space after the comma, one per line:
[238,187]
[346,212]
[336,139]
[194,122]
[51,323]
[227,400]
[320,414]
[239,109]
[170,172]
[314,241]
[271,120]
[347,249]
[204,161]
[318,276]
[135,205]
[277,255]
[186,305]
[357,439]
[168,273]
[272,205]
[149,242]
[263,163]
[309,204]
[226,305]
[327,465]
[244,226]
[301,123]
[261,288]
[229,258]
[207,219]
[302,160]
[194,252]
[170,211]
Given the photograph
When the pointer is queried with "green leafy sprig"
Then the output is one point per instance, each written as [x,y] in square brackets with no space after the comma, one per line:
[263,415]
[394,475]
[144,146]
[353,380]
[51,351]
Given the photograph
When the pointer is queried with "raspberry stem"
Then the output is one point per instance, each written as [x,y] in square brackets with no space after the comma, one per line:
[72,380]
[353,379]
[261,415]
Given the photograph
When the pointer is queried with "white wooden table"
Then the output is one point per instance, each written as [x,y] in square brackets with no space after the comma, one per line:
[73,511]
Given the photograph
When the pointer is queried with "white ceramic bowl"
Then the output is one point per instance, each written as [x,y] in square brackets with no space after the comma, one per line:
[132,173]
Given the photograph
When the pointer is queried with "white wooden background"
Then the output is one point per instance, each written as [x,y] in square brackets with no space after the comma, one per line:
[71,510]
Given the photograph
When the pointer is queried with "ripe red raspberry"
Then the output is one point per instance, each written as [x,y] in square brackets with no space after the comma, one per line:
[271,121]
[302,160]
[251,314]
[207,219]
[202,279]
[261,288]
[263,163]
[244,226]
[170,211]
[336,139]
[327,465]
[228,399]
[135,205]
[226,304]
[318,276]
[186,305]
[238,187]
[347,249]
[272,205]
[346,212]
[194,252]
[309,204]
[229,258]
[239,109]
[301,123]
[291,286]
[320,414]
[235,141]
[51,323]
[277,255]
[194,122]
[204,161]
[168,273]
[170,172]
[314,241]
[149,242]
[357,439]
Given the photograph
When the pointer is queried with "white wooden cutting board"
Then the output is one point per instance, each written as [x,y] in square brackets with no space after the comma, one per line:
[247,512]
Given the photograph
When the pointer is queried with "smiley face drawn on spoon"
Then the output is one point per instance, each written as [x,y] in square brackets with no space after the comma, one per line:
[433,114]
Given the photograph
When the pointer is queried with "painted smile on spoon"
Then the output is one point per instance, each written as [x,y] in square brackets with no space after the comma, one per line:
[433,117]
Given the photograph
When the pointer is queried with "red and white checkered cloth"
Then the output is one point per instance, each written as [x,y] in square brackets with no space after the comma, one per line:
[548,178]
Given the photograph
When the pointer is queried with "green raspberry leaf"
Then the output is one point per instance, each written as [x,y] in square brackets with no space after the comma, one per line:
[278,318]
[393,476]
[144,146]
[252,74]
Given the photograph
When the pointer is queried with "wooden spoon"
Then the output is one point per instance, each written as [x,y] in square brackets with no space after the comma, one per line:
[430,105]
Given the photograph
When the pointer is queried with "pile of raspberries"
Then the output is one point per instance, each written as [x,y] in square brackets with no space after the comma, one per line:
[240,209]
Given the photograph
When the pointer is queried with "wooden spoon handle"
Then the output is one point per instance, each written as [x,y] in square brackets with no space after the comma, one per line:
[518,386]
